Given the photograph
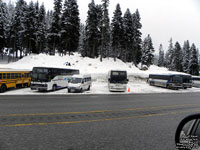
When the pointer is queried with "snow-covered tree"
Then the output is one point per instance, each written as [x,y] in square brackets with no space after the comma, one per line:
[70,23]
[177,59]
[147,51]
[82,41]
[128,53]
[169,55]
[194,63]
[117,32]
[186,56]
[93,30]
[161,56]
[3,18]
[105,32]
[137,37]
[54,35]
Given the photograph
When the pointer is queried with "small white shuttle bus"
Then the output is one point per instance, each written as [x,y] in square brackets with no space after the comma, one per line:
[117,80]
[80,83]
[46,79]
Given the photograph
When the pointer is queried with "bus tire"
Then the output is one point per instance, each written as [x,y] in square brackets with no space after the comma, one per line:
[54,87]
[3,88]
[88,88]
[151,83]
[69,91]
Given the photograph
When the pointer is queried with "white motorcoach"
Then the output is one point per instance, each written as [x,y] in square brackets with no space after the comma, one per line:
[46,79]
[170,81]
[117,80]
[80,83]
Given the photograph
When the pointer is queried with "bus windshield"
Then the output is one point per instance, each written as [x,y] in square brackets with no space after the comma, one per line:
[40,75]
[118,77]
[76,80]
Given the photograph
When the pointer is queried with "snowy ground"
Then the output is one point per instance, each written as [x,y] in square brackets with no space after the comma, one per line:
[97,69]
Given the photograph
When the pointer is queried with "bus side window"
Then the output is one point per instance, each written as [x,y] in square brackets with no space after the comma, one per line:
[22,75]
[4,75]
[16,75]
[8,75]
[12,76]
[0,75]
[19,75]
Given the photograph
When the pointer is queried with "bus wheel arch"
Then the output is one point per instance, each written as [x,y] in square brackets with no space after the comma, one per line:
[3,88]
[54,87]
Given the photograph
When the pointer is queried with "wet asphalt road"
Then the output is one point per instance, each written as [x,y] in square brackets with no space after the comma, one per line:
[93,122]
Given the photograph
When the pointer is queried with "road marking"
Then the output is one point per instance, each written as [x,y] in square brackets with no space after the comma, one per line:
[98,111]
[98,120]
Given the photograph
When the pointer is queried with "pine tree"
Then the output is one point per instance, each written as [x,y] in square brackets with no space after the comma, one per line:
[117,32]
[41,29]
[93,30]
[105,33]
[19,27]
[137,37]
[70,23]
[128,53]
[169,55]
[3,19]
[54,35]
[193,63]
[161,56]
[147,51]
[82,41]
[186,56]
[177,59]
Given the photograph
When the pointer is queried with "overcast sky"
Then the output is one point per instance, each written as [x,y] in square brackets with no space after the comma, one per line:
[162,19]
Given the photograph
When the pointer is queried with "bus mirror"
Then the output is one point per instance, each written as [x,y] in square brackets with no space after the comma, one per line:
[127,80]
[109,79]
[82,82]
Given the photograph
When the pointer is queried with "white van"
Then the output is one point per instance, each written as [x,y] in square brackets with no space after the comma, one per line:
[80,83]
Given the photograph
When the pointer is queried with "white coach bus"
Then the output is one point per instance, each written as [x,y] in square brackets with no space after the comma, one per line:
[196,81]
[117,80]
[170,81]
[46,79]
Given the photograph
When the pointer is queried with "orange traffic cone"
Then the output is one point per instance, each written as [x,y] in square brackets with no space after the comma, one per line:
[129,90]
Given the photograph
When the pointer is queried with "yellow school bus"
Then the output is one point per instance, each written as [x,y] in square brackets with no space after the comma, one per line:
[10,78]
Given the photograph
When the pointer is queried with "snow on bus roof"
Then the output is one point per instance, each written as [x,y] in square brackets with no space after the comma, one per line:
[13,70]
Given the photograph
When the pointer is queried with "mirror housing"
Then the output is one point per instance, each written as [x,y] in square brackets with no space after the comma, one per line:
[185,138]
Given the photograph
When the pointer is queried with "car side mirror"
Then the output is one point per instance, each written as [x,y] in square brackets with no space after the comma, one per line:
[186,137]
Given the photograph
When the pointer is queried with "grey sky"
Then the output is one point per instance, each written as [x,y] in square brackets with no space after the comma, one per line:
[162,19]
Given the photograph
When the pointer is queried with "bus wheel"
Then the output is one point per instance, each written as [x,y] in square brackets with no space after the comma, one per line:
[151,83]
[54,87]
[88,88]
[3,88]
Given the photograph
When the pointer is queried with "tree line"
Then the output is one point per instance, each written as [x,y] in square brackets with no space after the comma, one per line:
[29,28]
[182,59]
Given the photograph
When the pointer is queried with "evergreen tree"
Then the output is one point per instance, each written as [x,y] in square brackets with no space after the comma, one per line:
[3,19]
[147,51]
[137,38]
[177,59]
[70,26]
[127,54]
[105,33]
[170,55]
[82,41]
[41,38]
[186,56]
[19,27]
[193,63]
[54,35]
[161,56]
[117,32]
[93,30]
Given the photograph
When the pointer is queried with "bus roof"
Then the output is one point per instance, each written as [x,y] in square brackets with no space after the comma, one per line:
[54,68]
[14,70]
